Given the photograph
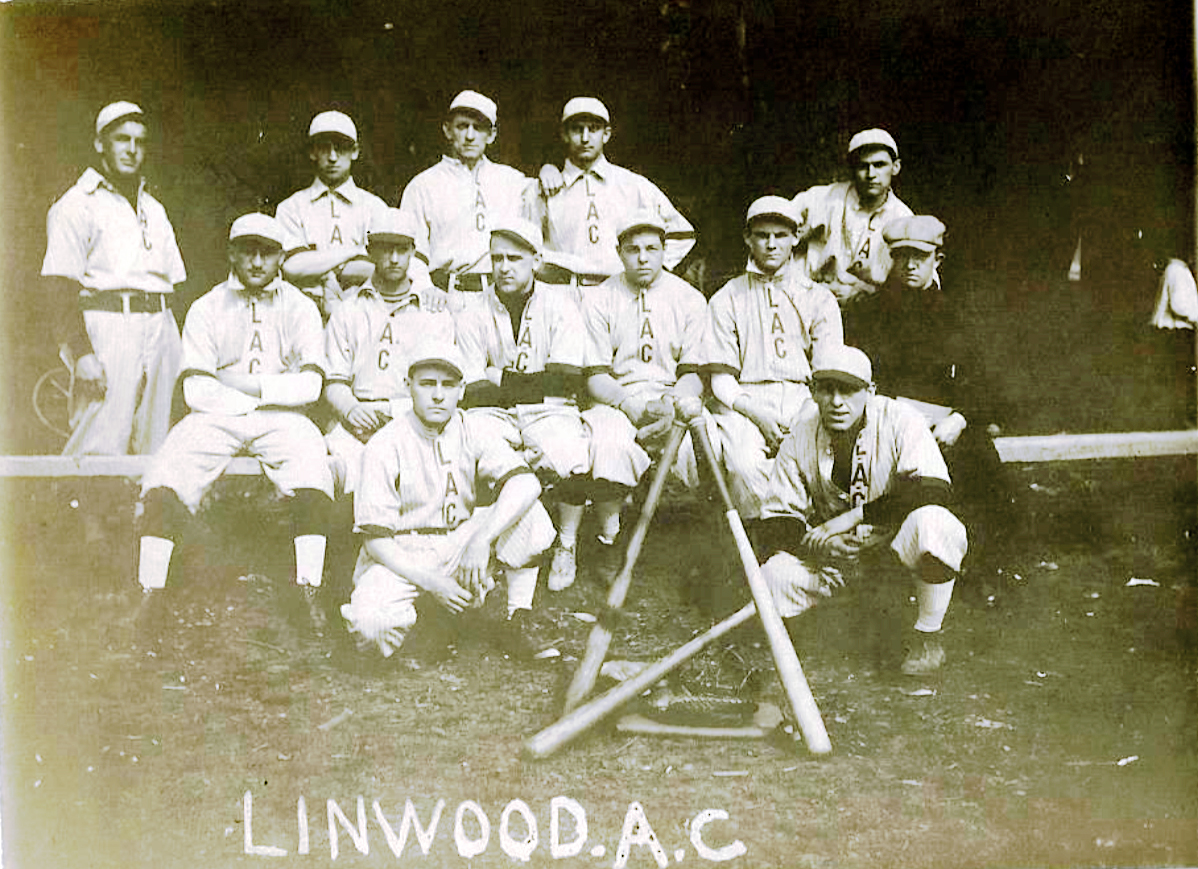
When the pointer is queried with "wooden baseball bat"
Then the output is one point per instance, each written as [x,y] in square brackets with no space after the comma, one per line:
[790,671]
[600,639]
[575,723]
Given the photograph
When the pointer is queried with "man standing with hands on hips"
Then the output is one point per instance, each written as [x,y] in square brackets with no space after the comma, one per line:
[111,266]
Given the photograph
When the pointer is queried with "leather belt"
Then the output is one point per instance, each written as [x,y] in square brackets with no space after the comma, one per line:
[125,302]
[564,277]
[423,531]
[468,282]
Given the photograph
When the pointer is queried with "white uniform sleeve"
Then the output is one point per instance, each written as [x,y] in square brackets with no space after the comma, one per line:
[412,202]
[472,335]
[680,235]
[377,502]
[202,390]
[786,494]
[496,458]
[918,453]
[600,349]
[721,338]
[67,241]
[339,349]
[694,321]
[565,348]
[288,216]
[827,325]
[304,378]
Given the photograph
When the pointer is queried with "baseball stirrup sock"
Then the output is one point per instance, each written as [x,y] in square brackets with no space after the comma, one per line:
[309,559]
[609,519]
[154,561]
[521,587]
[933,604]
[569,518]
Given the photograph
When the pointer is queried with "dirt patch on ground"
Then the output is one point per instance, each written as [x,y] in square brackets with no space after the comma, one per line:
[1061,733]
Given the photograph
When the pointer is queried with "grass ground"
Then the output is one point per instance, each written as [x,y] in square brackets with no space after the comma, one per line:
[1061,732]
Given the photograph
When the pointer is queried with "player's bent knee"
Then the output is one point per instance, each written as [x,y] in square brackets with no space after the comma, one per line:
[931,530]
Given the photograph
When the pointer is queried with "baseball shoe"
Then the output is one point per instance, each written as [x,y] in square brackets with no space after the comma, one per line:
[609,558]
[925,654]
[563,568]
[522,635]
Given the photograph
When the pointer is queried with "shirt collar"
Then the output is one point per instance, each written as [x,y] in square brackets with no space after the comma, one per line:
[571,172]
[348,190]
[234,283]
[456,164]
[782,274]
[412,297]
[93,179]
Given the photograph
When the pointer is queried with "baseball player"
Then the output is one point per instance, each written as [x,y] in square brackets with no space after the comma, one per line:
[922,353]
[330,218]
[582,219]
[253,357]
[456,202]
[842,223]
[762,330]
[111,267]
[644,328]
[859,482]
[418,509]
[370,338]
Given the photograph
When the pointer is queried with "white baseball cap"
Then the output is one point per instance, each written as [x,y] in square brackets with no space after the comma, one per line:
[116,111]
[257,225]
[520,231]
[846,364]
[333,122]
[645,218]
[873,138]
[437,352]
[586,106]
[772,206]
[473,101]
[393,226]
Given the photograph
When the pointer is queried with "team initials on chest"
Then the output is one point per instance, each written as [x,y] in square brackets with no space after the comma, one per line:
[255,339]
[592,218]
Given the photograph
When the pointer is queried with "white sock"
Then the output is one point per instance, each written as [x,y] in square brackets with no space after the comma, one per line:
[521,587]
[933,604]
[154,561]
[569,517]
[309,559]
[609,520]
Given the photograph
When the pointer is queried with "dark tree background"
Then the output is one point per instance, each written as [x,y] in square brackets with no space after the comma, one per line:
[1022,125]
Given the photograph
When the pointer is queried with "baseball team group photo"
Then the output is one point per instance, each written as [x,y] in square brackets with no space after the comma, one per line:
[641,429]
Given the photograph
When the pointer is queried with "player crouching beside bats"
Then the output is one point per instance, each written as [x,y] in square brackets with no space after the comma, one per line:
[253,358]
[417,507]
[858,495]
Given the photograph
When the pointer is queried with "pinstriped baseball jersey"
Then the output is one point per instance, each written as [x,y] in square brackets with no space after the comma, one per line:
[414,479]
[369,339]
[894,443]
[456,208]
[272,332]
[764,330]
[644,336]
[550,332]
[321,218]
[583,217]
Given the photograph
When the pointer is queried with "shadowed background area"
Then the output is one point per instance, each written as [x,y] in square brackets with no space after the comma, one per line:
[1023,126]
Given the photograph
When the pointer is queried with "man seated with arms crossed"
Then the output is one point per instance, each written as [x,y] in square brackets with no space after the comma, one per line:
[329,219]
[538,331]
[369,340]
[253,357]
[842,223]
[418,508]
[858,494]
[762,329]
[643,328]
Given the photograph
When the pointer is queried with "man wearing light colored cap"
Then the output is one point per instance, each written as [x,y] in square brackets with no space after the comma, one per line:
[582,218]
[925,352]
[425,532]
[859,494]
[111,267]
[253,359]
[842,223]
[370,338]
[762,330]
[643,329]
[330,218]
[457,202]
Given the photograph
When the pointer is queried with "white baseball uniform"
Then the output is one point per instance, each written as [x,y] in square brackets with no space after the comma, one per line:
[368,344]
[422,490]
[276,334]
[319,218]
[763,330]
[582,218]
[544,347]
[646,339]
[842,235]
[893,452]
[128,262]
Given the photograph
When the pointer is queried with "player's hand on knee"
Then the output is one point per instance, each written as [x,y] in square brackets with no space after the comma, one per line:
[845,547]
[449,594]
[949,429]
[550,178]
[89,374]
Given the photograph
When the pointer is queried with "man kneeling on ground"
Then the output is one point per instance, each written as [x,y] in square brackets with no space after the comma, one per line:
[858,495]
[423,475]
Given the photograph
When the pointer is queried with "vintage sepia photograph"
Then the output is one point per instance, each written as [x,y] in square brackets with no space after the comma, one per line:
[609,433]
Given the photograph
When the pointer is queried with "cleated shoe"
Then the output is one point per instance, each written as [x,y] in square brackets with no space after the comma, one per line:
[925,655]
[563,568]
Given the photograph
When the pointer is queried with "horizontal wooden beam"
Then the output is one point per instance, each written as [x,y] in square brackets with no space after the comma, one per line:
[1036,448]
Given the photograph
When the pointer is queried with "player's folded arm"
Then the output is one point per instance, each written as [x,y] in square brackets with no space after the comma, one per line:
[907,493]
